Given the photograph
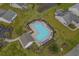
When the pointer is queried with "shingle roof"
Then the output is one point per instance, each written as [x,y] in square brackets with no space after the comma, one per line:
[71,17]
[25,39]
[7,15]
[76,6]
[45,6]
[2,11]
[4,30]
[21,4]
[68,16]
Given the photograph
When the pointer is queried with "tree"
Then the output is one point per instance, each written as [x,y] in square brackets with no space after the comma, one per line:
[58,4]
[54,48]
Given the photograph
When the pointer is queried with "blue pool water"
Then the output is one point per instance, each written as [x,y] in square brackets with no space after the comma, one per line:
[42,31]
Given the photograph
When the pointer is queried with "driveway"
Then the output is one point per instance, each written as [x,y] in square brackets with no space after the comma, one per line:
[74,51]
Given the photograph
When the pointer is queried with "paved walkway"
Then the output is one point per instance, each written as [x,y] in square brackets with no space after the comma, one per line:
[74,51]
[12,40]
[18,38]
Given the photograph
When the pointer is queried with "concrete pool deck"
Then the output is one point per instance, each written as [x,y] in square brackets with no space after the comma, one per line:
[41,32]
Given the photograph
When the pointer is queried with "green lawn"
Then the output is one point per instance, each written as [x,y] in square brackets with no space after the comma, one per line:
[63,34]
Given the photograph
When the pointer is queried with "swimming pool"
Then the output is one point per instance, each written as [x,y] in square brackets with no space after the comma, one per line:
[41,31]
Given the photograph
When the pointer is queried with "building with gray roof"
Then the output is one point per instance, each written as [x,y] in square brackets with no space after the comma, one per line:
[67,17]
[26,40]
[19,5]
[2,11]
[5,32]
[75,9]
[7,15]
[45,6]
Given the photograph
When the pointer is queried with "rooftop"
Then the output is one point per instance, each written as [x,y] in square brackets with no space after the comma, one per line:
[7,16]
[26,39]
[2,11]
[76,6]
[68,16]
[45,6]
[4,30]
[19,5]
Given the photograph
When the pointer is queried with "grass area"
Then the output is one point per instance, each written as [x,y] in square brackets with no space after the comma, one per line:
[63,34]
[23,17]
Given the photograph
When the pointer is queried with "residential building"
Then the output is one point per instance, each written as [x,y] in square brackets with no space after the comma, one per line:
[19,5]
[5,32]
[45,6]
[75,9]
[7,16]
[67,18]
[26,40]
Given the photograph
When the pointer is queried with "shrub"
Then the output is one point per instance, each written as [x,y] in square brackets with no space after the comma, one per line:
[54,48]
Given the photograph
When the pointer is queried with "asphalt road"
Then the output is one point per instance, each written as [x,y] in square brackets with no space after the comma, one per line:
[74,51]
